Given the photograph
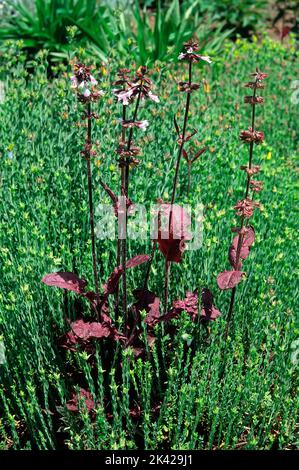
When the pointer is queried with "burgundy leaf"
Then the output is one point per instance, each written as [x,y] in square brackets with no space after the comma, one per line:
[91,296]
[172,313]
[150,338]
[208,310]
[172,249]
[85,397]
[135,412]
[229,279]
[89,330]
[65,280]
[176,126]
[248,235]
[69,341]
[149,302]
[171,240]
[198,154]
[119,204]
[189,304]
[138,351]
[285,31]
[136,260]
[109,192]
[232,255]
[247,240]
[116,335]
[113,280]
[185,155]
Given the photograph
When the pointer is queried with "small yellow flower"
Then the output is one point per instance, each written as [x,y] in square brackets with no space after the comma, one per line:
[103,70]
[269,155]
[206,87]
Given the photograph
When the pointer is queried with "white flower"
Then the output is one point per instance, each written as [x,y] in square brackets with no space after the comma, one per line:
[74,82]
[123,96]
[142,124]
[205,58]
[93,81]
[86,93]
[153,97]
[84,84]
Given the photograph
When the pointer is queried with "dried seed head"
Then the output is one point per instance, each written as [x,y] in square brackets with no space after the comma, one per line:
[245,207]
[253,99]
[190,53]
[251,171]
[252,136]
[256,186]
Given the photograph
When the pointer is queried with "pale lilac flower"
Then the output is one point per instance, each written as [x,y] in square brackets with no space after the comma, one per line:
[153,97]
[74,82]
[124,95]
[93,81]
[84,83]
[205,58]
[140,124]
[86,93]
[190,53]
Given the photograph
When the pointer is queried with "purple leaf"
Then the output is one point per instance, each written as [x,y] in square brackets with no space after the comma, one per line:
[189,304]
[176,126]
[198,154]
[136,260]
[150,338]
[149,302]
[172,241]
[249,236]
[118,204]
[247,241]
[185,155]
[69,281]
[89,330]
[232,255]
[85,397]
[208,310]
[113,280]
[229,279]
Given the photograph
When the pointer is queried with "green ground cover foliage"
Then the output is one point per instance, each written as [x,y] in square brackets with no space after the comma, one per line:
[44,227]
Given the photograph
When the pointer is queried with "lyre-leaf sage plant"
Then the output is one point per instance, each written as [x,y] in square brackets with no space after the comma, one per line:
[241,245]
[191,56]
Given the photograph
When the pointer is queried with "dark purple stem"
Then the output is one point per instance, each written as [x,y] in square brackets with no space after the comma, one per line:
[90,199]
[240,238]
[126,187]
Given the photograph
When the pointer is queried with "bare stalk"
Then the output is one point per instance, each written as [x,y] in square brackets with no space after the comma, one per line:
[189,178]
[122,185]
[90,200]
[125,183]
[149,265]
[181,147]
[166,291]
[175,182]
[240,239]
